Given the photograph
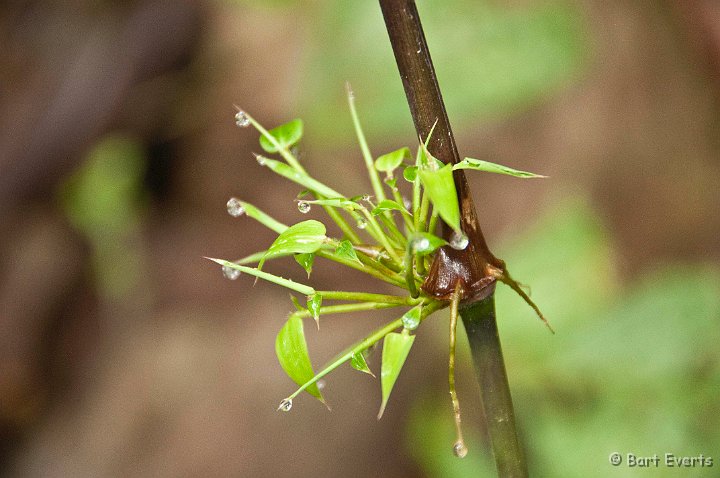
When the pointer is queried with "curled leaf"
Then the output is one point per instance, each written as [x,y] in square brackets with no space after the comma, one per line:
[440,188]
[346,250]
[292,353]
[358,362]
[306,260]
[285,135]
[480,165]
[313,305]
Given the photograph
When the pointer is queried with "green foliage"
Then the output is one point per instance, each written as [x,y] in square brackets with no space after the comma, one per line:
[396,348]
[480,165]
[384,252]
[292,352]
[358,362]
[285,136]
[440,188]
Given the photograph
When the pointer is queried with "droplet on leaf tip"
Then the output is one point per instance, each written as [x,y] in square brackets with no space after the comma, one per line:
[460,450]
[230,272]
[303,207]
[420,244]
[235,207]
[241,119]
[459,240]
[285,405]
[261,159]
[320,384]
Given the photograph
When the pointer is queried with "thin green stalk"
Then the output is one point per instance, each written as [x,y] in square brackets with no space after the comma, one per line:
[368,297]
[367,156]
[343,308]
[377,232]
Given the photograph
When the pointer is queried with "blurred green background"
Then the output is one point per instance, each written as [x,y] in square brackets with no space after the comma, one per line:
[124,353]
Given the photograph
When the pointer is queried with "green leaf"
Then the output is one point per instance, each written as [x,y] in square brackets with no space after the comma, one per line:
[411,318]
[388,205]
[480,165]
[346,250]
[358,362]
[424,243]
[313,304]
[306,260]
[292,353]
[390,161]
[303,237]
[286,136]
[410,173]
[297,177]
[391,182]
[289,283]
[440,188]
[262,218]
[396,348]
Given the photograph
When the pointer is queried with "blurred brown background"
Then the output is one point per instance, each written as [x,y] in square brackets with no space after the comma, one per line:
[124,353]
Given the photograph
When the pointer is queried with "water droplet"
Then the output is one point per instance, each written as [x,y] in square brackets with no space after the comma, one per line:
[411,319]
[304,207]
[407,203]
[241,119]
[260,159]
[459,449]
[361,223]
[235,207]
[420,244]
[320,384]
[384,255]
[285,405]
[230,273]
[366,197]
[459,240]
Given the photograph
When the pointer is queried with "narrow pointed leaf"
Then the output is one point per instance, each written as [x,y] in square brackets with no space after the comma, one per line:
[391,161]
[440,187]
[358,362]
[480,165]
[289,283]
[303,237]
[286,135]
[292,353]
[306,260]
[396,348]
[346,250]
[388,205]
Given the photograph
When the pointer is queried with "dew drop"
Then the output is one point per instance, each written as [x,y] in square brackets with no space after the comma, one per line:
[366,197]
[361,223]
[407,203]
[241,119]
[304,207]
[459,240]
[411,319]
[235,207]
[261,159]
[230,273]
[320,384]
[285,405]
[459,449]
[420,244]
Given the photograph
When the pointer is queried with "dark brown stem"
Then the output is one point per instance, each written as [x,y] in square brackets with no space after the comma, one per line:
[473,269]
